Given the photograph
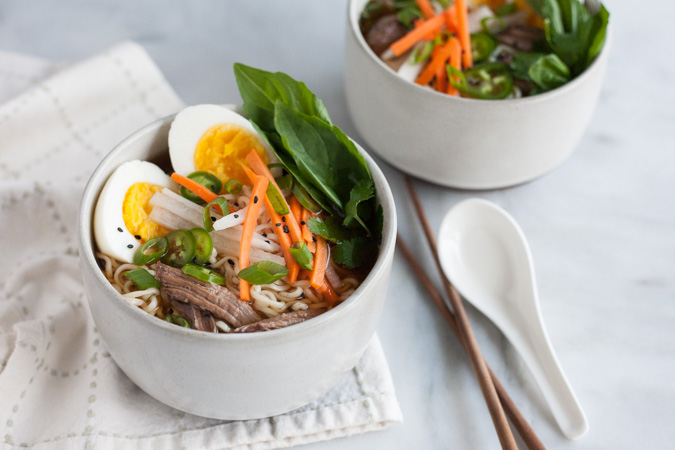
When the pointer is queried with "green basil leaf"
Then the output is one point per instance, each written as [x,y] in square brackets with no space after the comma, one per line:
[277,200]
[260,90]
[324,155]
[600,21]
[364,190]
[206,215]
[302,255]
[355,252]
[264,272]
[549,72]
[305,199]
[142,279]
[330,229]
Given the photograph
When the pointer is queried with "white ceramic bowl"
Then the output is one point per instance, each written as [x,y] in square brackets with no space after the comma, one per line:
[459,142]
[237,376]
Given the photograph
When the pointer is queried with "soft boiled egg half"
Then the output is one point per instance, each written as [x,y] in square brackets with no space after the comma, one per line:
[121,218]
[214,139]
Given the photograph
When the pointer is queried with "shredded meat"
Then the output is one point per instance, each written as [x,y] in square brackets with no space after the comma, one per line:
[198,318]
[280,321]
[520,37]
[384,32]
[216,299]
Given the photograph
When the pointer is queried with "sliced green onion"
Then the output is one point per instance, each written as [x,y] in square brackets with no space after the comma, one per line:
[421,53]
[204,245]
[203,273]
[151,251]
[506,9]
[285,182]
[142,279]
[233,186]
[264,272]
[489,29]
[277,200]
[177,320]
[206,215]
[305,199]
[206,179]
[302,255]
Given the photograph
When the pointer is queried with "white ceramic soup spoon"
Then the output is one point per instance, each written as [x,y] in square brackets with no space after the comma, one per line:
[485,255]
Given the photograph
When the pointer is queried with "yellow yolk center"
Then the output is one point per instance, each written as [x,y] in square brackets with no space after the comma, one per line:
[136,211]
[223,147]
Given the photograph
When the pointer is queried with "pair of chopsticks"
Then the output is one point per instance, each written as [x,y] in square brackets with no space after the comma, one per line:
[498,401]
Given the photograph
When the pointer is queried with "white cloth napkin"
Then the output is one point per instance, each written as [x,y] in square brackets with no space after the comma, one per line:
[58,385]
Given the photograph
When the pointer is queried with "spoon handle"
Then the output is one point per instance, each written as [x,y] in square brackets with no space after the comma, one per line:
[536,350]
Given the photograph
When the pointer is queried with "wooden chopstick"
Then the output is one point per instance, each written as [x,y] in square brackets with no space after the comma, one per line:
[480,368]
[527,434]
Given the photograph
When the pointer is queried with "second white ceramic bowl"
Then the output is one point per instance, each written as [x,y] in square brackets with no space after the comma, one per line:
[459,142]
[230,376]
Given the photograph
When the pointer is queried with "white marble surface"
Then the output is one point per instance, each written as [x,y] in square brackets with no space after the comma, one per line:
[601,227]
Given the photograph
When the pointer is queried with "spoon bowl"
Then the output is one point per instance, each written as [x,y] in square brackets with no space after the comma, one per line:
[485,254]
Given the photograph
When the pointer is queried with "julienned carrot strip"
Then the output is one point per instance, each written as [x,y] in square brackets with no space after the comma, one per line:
[284,238]
[191,185]
[296,208]
[259,187]
[451,18]
[463,32]
[438,60]
[406,42]
[426,8]
[430,36]
[328,292]
[455,61]
[306,232]
[320,261]
[260,168]
[441,79]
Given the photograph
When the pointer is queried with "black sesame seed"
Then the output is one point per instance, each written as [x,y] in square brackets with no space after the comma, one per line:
[314,238]
[302,222]
[283,218]
[119,229]
[213,187]
[267,241]
[236,204]
[255,199]
[138,237]
[264,234]
[230,262]
[170,310]
[213,219]
[277,224]
[286,230]
[130,246]
[236,216]
[302,295]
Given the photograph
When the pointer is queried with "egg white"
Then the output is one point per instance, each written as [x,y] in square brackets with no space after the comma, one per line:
[189,126]
[108,216]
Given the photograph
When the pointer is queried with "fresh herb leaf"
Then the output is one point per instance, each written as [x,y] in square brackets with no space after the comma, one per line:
[260,90]
[264,272]
[142,279]
[355,252]
[329,229]
[302,255]
[324,155]
[305,199]
[408,12]
[292,168]
[364,190]
[545,71]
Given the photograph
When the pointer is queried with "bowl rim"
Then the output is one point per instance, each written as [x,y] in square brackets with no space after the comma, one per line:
[354,12]
[86,245]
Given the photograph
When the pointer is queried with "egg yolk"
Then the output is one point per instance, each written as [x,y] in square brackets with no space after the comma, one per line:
[223,147]
[136,211]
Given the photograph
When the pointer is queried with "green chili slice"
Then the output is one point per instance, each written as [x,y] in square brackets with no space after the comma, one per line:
[177,320]
[142,279]
[151,251]
[305,199]
[277,200]
[207,218]
[482,46]
[233,186]
[203,273]
[204,245]
[302,255]
[264,272]
[206,179]
[182,248]
[487,81]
